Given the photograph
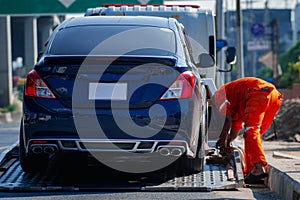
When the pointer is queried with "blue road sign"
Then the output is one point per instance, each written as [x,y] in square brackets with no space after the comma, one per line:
[258,29]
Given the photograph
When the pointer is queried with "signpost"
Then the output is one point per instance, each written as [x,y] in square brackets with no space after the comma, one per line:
[257,45]
[24,7]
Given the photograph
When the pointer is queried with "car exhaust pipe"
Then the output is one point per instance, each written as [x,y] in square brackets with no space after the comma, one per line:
[37,149]
[176,152]
[164,151]
[50,149]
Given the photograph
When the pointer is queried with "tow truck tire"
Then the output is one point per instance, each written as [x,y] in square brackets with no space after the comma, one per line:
[30,163]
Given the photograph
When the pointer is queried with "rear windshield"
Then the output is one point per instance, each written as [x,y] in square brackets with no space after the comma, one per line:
[113,40]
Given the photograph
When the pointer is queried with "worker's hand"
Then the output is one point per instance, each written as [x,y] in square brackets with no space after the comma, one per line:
[221,142]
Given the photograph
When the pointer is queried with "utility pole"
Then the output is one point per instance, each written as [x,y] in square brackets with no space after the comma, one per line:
[220,35]
[275,49]
[6,96]
[266,13]
[239,41]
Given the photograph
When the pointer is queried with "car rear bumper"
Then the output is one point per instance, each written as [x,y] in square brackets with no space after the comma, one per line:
[163,147]
[57,129]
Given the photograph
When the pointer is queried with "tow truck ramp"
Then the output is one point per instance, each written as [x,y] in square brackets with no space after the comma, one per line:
[213,177]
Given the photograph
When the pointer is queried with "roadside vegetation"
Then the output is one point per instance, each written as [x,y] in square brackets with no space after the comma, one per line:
[290,65]
[16,105]
[9,108]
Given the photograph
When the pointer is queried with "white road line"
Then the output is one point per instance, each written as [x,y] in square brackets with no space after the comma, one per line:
[10,129]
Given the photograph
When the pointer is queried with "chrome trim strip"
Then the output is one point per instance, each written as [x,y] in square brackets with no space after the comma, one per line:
[134,149]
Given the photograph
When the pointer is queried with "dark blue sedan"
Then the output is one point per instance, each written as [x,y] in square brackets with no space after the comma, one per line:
[121,90]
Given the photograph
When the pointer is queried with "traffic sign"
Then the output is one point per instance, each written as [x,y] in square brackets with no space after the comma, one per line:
[258,45]
[258,29]
[12,7]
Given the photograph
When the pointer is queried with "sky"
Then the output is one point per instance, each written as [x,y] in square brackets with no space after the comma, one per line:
[230,4]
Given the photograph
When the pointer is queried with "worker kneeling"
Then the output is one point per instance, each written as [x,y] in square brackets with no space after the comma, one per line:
[254,103]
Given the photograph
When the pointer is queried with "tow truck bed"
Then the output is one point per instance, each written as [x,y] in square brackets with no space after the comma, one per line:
[213,177]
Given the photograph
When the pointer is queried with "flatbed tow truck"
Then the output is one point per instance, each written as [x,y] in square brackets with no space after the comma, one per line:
[215,176]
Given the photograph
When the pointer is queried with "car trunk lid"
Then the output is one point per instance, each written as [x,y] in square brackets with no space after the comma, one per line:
[95,81]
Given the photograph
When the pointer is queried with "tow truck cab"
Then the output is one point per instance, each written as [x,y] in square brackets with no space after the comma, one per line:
[198,22]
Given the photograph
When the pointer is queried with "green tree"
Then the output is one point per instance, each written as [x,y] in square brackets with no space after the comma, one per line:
[289,65]
[265,73]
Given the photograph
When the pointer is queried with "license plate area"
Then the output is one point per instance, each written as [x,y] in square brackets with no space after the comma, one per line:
[107,91]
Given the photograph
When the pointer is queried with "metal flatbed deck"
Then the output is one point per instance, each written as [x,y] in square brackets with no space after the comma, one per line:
[213,177]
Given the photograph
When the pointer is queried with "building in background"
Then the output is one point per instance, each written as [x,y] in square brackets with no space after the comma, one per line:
[24,29]
[297,21]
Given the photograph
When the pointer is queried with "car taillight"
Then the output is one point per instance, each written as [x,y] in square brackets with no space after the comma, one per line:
[36,87]
[182,88]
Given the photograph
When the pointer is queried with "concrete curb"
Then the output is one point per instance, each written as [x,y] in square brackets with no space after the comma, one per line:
[284,174]
[283,179]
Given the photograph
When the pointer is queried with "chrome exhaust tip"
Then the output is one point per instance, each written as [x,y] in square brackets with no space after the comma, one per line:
[176,152]
[49,149]
[37,149]
[164,151]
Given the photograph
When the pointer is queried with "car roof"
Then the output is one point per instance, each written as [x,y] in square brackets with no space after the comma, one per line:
[118,20]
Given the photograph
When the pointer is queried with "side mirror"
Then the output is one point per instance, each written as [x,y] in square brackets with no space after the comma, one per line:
[230,55]
[206,60]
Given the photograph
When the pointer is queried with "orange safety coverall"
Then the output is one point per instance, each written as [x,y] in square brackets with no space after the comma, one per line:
[254,102]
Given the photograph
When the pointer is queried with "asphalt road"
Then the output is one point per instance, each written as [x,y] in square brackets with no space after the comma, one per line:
[9,136]
[243,193]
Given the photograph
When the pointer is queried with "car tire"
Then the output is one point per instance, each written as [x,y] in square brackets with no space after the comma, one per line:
[195,165]
[30,163]
[191,165]
[206,122]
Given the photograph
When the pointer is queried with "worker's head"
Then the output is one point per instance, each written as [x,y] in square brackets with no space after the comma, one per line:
[220,101]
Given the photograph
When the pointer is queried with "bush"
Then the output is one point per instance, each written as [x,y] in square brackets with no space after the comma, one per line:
[20,88]
[10,108]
